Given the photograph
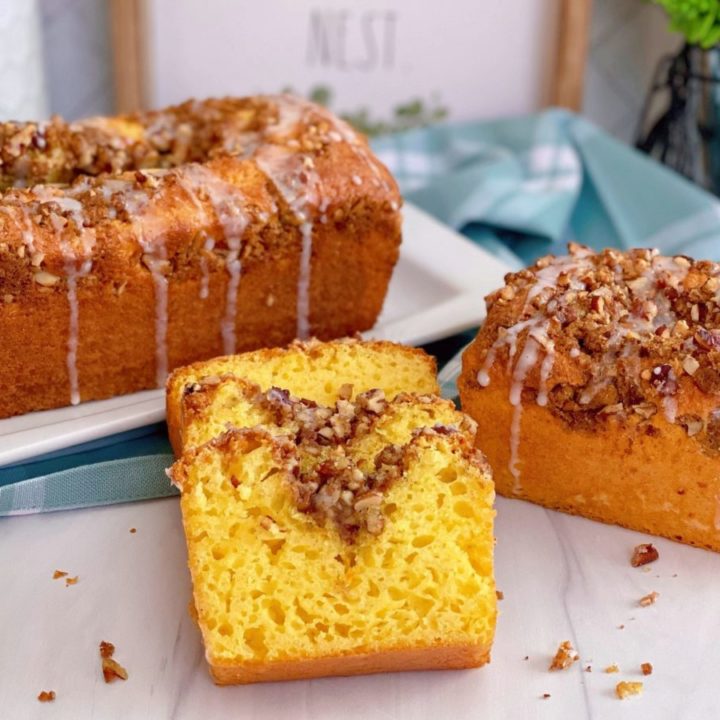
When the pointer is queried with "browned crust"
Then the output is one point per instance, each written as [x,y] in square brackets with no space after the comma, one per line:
[353,255]
[399,659]
[189,374]
[647,475]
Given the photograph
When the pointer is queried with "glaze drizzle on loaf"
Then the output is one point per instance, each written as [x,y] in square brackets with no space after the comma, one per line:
[169,154]
[607,335]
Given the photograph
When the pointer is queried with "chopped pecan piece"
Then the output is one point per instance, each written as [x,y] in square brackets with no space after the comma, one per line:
[693,424]
[59,574]
[649,599]
[111,669]
[643,554]
[646,668]
[107,649]
[46,696]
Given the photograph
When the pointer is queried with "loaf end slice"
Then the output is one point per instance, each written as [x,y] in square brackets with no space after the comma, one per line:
[293,578]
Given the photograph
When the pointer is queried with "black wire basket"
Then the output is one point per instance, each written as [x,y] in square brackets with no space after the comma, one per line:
[686,134]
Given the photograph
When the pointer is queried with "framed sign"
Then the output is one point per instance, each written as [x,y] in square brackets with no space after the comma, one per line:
[384,64]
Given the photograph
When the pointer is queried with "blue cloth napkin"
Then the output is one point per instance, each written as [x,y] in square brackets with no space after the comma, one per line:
[521,188]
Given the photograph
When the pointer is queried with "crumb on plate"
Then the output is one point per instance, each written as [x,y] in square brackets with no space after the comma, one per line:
[46,696]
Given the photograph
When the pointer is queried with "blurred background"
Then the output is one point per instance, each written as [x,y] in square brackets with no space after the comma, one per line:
[386,65]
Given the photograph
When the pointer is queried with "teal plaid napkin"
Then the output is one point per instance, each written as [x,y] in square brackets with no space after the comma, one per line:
[520,188]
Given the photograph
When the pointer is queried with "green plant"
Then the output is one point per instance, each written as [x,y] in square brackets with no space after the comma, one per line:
[697,20]
[412,114]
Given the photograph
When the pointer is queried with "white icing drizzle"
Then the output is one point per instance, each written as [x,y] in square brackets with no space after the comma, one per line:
[545,371]
[208,247]
[525,363]
[77,266]
[208,242]
[343,131]
[293,174]
[74,273]
[629,328]
[509,338]
[670,408]
[228,203]
[136,204]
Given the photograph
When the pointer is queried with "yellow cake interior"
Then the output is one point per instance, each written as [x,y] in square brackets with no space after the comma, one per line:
[311,370]
[272,584]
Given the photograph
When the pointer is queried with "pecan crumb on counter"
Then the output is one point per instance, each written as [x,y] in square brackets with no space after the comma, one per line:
[46,696]
[111,669]
[545,696]
[643,554]
[646,668]
[71,580]
[649,599]
[58,574]
[564,657]
[133,531]
[625,689]
[107,649]
[500,594]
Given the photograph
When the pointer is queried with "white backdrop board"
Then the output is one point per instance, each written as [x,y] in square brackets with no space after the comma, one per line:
[473,59]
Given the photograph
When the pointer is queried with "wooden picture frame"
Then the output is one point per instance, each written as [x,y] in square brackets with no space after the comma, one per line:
[130,58]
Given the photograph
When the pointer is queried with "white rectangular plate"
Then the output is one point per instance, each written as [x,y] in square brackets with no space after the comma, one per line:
[437,290]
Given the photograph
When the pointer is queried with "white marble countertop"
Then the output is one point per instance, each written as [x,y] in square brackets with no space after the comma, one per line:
[563,578]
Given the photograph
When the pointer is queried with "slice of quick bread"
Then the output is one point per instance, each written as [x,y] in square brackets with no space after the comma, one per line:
[312,370]
[337,539]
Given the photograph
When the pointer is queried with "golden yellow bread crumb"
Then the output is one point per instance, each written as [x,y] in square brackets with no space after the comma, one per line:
[564,657]
[625,689]
[282,593]
[313,370]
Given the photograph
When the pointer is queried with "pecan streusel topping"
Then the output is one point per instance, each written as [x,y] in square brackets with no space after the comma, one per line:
[328,482]
[610,334]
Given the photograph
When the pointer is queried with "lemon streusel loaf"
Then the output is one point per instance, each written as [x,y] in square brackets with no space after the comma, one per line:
[261,220]
[340,540]
[214,392]
[595,382]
